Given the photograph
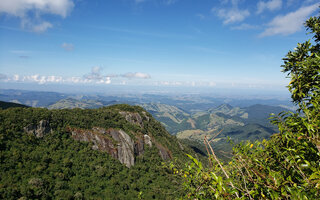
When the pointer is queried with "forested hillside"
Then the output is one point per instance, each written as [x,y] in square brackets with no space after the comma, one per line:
[113,152]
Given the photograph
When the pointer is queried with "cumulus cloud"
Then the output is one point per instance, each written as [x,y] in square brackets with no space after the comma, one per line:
[96,76]
[67,46]
[41,27]
[232,14]
[19,8]
[290,23]
[268,5]
[30,11]
[139,75]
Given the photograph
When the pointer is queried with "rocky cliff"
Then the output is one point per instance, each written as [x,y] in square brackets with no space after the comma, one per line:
[116,142]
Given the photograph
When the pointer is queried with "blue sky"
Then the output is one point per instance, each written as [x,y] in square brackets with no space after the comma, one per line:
[233,44]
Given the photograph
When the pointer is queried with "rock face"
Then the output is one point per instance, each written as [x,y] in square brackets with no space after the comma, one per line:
[39,130]
[133,118]
[117,143]
[147,140]
[125,148]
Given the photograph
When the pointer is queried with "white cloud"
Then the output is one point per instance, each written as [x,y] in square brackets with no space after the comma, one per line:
[107,80]
[232,15]
[290,23]
[244,26]
[269,5]
[30,11]
[42,27]
[67,46]
[95,74]
[94,77]
[40,79]
[131,75]
[20,8]
[16,77]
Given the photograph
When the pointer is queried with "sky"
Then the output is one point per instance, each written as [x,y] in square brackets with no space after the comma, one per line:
[199,44]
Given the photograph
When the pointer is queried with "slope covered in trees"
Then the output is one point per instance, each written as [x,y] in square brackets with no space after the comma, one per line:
[42,157]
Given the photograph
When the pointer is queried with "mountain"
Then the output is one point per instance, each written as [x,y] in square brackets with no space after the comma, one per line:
[239,124]
[260,113]
[5,105]
[31,98]
[173,118]
[82,103]
[112,152]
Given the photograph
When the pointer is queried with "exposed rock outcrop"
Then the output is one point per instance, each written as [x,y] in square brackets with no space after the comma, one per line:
[39,130]
[134,118]
[147,140]
[117,143]
[125,147]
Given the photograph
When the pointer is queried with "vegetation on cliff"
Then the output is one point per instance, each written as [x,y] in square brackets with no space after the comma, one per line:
[42,158]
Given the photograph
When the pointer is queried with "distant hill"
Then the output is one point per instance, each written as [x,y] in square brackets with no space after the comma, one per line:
[76,103]
[248,123]
[177,120]
[31,98]
[5,105]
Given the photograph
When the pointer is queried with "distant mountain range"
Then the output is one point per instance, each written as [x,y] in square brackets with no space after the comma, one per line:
[188,117]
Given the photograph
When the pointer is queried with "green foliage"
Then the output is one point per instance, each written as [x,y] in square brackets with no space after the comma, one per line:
[58,167]
[288,165]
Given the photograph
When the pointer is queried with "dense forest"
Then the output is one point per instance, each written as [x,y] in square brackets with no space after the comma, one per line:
[56,166]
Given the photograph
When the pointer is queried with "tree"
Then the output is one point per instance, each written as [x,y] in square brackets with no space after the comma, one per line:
[288,165]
